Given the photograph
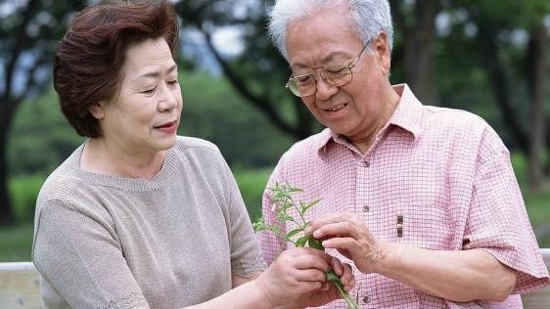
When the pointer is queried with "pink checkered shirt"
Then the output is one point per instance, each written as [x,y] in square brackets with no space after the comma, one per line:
[446,172]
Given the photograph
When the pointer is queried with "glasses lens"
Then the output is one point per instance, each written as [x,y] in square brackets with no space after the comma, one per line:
[338,75]
[302,85]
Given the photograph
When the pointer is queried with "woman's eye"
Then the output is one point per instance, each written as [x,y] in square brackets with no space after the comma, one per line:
[149,91]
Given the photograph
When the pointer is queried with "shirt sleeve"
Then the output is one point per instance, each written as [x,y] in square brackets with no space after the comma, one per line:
[498,221]
[78,256]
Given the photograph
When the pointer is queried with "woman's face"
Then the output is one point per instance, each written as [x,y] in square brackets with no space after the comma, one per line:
[143,118]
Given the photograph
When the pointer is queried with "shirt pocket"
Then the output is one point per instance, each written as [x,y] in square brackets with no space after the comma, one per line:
[428,226]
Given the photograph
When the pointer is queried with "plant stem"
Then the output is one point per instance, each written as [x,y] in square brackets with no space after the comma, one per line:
[282,198]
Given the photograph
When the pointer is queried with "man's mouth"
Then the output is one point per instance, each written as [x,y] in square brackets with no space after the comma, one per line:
[336,108]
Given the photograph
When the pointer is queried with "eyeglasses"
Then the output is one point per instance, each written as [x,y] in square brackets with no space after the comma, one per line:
[304,85]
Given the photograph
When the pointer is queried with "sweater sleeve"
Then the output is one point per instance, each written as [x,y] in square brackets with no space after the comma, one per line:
[246,256]
[97,275]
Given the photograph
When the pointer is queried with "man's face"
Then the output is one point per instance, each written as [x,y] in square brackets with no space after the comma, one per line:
[326,39]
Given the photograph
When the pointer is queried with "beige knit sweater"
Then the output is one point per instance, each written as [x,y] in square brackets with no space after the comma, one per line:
[169,242]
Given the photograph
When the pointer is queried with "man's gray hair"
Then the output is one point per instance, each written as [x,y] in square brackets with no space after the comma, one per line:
[368,17]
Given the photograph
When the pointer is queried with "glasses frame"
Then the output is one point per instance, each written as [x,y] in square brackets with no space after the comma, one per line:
[321,72]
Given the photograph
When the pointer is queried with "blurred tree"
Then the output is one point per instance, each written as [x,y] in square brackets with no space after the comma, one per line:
[416,28]
[510,44]
[259,73]
[536,80]
[28,139]
[214,111]
[28,32]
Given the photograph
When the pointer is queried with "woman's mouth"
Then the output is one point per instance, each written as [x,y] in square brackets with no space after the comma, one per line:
[167,127]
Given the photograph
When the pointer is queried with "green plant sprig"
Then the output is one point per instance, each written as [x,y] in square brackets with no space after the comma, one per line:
[283,201]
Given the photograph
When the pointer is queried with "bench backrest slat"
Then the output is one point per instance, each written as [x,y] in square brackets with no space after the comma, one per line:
[19,286]
[541,298]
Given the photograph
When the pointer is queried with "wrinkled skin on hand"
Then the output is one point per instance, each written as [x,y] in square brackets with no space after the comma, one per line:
[352,238]
[297,279]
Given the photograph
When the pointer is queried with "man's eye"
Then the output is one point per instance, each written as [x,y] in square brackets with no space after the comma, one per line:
[303,79]
[337,70]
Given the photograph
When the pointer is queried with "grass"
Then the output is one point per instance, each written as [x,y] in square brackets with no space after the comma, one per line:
[538,209]
[252,183]
[16,241]
[23,191]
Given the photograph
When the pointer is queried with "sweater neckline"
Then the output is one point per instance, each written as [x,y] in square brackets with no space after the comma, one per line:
[160,180]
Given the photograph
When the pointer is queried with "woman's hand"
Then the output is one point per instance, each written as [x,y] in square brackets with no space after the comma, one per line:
[297,279]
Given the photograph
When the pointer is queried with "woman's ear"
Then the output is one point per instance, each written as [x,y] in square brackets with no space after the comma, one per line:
[97,110]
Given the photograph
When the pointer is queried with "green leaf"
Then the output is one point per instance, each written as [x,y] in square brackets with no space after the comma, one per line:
[308,206]
[292,233]
[301,242]
[315,243]
[275,230]
[289,218]
[258,226]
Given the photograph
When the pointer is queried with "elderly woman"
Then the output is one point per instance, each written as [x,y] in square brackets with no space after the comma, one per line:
[138,217]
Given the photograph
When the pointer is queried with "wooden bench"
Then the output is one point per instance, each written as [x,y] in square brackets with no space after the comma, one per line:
[20,288]
[541,298]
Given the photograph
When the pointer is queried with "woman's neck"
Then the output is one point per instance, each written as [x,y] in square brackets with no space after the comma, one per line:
[100,157]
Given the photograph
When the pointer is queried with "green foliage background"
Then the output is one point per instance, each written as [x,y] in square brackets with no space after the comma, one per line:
[41,138]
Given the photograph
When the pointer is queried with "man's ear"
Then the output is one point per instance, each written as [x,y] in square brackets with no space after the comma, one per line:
[97,110]
[381,49]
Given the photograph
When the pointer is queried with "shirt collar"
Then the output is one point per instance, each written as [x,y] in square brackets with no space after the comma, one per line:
[407,115]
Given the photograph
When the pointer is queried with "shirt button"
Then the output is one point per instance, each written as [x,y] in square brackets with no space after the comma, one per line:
[366,163]
[366,299]
[366,208]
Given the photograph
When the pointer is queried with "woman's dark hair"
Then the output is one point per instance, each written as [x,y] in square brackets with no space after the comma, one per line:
[89,59]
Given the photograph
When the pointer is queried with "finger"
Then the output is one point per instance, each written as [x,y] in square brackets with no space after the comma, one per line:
[310,276]
[308,258]
[349,244]
[345,228]
[340,230]
[336,266]
[329,219]
[347,277]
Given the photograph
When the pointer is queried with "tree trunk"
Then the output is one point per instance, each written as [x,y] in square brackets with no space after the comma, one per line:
[6,211]
[419,39]
[500,87]
[536,79]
